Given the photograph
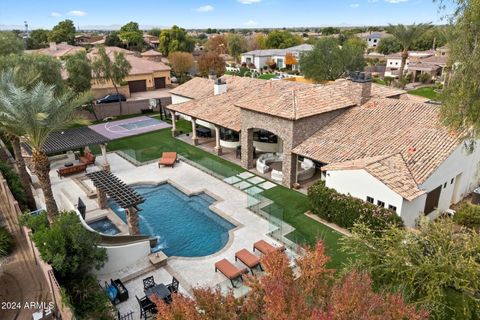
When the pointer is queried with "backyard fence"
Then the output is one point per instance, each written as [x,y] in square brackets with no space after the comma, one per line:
[14,209]
[106,110]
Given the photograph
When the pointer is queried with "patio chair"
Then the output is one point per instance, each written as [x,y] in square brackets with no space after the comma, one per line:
[230,271]
[167,159]
[148,283]
[173,287]
[146,307]
[248,259]
[265,247]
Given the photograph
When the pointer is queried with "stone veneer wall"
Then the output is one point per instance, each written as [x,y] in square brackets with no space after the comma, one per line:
[291,132]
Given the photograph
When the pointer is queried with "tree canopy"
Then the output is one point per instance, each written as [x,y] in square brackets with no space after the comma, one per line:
[175,39]
[329,61]
[113,40]
[211,63]
[64,31]
[79,72]
[217,44]
[131,34]
[282,39]
[38,39]
[236,45]
[181,62]
[10,43]
[436,265]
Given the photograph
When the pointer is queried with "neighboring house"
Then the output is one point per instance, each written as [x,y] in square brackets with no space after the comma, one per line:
[373,142]
[87,39]
[432,62]
[372,38]
[151,41]
[260,58]
[145,74]
[57,50]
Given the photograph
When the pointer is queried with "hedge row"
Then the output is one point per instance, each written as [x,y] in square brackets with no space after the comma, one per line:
[13,181]
[468,215]
[345,211]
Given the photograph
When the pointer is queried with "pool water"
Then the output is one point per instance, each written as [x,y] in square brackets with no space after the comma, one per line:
[140,124]
[104,226]
[183,225]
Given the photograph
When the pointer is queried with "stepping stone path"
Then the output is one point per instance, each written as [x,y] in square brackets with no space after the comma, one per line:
[250,183]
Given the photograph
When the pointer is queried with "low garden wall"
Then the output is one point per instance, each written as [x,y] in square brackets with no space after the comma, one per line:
[345,211]
[128,107]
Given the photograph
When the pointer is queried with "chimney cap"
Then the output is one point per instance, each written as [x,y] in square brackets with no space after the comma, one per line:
[220,81]
[361,77]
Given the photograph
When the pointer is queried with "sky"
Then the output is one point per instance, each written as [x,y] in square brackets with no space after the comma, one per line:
[218,13]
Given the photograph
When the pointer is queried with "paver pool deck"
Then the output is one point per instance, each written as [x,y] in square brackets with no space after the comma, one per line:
[232,205]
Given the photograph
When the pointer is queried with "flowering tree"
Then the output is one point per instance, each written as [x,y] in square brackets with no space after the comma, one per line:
[278,294]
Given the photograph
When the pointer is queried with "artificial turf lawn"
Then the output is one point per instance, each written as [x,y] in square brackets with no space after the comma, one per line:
[291,205]
[427,92]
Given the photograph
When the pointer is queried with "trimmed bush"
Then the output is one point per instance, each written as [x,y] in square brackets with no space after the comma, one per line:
[6,242]
[468,215]
[13,181]
[345,211]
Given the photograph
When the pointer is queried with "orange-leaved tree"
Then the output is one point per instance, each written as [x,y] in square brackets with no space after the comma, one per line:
[278,294]
[290,60]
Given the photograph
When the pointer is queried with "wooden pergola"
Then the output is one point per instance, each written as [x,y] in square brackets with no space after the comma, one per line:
[108,184]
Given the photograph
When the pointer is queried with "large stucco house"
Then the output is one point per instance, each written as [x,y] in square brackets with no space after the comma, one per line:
[373,142]
[260,58]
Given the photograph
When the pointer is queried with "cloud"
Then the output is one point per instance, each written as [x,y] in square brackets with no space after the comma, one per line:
[354,5]
[206,8]
[395,1]
[55,14]
[372,1]
[250,23]
[249,1]
[77,13]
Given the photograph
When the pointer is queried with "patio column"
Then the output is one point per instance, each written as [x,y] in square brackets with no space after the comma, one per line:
[289,169]
[246,139]
[132,219]
[101,199]
[194,132]
[174,123]
[218,148]
[105,165]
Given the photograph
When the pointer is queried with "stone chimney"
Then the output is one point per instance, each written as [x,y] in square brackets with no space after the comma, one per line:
[53,46]
[219,86]
[361,89]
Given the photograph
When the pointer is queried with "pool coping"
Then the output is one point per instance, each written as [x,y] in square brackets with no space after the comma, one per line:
[238,225]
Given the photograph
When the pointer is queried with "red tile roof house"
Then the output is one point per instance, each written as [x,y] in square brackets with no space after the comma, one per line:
[370,141]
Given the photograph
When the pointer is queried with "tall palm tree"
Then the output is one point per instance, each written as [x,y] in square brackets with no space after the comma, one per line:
[36,112]
[13,133]
[406,36]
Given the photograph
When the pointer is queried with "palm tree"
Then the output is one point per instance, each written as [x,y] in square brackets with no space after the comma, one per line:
[36,112]
[406,36]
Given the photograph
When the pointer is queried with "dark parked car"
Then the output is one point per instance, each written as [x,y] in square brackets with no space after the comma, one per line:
[109,98]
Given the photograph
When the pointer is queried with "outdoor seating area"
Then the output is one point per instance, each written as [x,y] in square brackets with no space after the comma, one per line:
[70,169]
[116,291]
[153,290]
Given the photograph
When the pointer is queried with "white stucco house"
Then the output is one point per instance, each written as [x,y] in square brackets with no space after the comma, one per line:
[372,38]
[260,57]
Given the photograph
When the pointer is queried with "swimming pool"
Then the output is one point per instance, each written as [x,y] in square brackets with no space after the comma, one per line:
[184,225]
[140,124]
[104,226]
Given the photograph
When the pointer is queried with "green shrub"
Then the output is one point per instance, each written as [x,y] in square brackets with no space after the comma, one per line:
[6,242]
[468,215]
[13,181]
[345,210]
[425,78]
[35,222]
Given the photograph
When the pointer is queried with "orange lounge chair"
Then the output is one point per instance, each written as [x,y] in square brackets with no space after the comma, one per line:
[248,259]
[167,159]
[265,247]
[230,271]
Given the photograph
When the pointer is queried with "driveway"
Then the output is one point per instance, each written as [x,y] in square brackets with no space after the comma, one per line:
[159,93]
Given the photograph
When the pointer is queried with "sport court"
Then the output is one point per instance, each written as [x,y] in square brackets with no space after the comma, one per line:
[129,127]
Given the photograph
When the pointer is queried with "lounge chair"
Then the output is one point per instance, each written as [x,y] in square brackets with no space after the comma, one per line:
[88,158]
[248,259]
[230,271]
[167,159]
[265,247]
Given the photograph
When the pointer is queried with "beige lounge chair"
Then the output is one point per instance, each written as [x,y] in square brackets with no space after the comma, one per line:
[230,271]
[265,247]
[167,159]
[248,259]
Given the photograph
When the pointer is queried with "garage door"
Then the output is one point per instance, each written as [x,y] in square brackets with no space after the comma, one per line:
[159,83]
[137,86]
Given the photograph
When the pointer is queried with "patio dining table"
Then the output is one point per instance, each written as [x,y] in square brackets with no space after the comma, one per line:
[160,290]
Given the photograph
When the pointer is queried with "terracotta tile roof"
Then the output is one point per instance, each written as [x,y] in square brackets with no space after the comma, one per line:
[412,97]
[385,127]
[296,102]
[139,65]
[151,53]
[58,50]
[381,91]
[390,169]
